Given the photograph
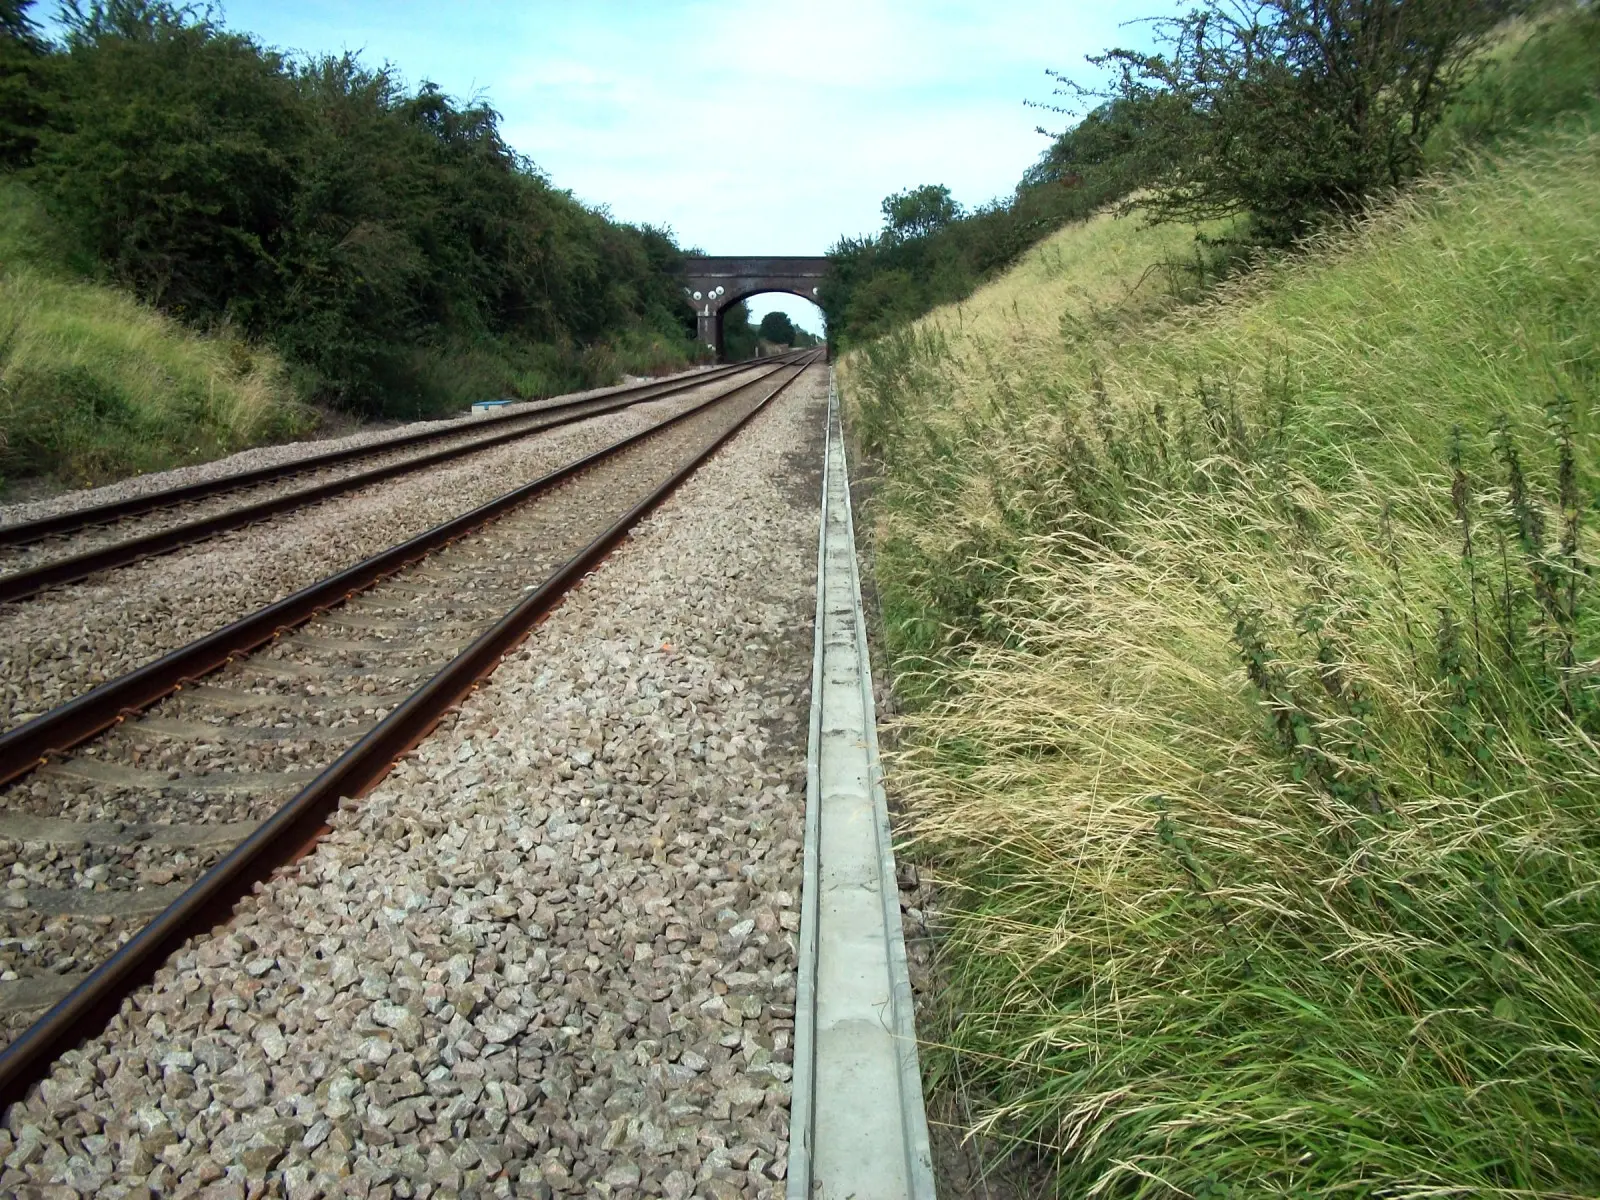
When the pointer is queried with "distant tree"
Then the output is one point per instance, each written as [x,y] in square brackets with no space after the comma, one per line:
[918,212]
[777,327]
[1289,109]
[24,84]
[739,337]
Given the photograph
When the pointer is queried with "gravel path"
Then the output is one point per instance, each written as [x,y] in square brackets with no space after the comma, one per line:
[553,953]
[63,642]
[264,456]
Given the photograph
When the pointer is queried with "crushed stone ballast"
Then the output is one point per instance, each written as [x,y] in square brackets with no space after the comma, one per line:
[857,1126]
[451,617]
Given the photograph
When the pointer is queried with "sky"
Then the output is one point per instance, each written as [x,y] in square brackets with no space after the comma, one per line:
[746,126]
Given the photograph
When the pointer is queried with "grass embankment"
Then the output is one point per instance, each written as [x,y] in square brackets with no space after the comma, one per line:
[1255,666]
[95,385]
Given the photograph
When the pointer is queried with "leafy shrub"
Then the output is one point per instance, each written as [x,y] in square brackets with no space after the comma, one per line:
[1289,110]
[358,227]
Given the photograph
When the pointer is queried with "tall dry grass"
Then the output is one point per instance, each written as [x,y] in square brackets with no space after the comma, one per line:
[1257,685]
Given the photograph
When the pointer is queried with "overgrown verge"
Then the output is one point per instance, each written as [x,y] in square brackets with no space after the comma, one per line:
[95,386]
[1255,663]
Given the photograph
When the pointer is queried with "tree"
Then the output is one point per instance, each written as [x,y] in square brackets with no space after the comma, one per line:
[1289,109]
[777,327]
[918,212]
[738,335]
[367,231]
[1109,149]
[175,156]
[24,65]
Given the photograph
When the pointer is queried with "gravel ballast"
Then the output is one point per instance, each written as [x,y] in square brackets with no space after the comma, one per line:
[235,748]
[554,952]
[65,641]
[291,489]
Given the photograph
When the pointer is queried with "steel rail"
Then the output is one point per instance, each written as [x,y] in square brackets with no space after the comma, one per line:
[30,744]
[23,533]
[290,831]
[22,584]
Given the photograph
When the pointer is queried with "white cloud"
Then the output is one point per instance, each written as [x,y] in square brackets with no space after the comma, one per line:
[747,126]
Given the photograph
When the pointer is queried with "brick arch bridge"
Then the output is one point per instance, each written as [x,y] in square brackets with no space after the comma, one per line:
[739,279]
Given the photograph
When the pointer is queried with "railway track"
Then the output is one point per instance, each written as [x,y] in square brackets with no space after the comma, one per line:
[67,640]
[68,547]
[138,813]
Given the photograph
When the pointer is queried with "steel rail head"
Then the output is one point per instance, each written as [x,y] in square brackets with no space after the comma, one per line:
[85,1010]
[22,584]
[22,533]
[29,745]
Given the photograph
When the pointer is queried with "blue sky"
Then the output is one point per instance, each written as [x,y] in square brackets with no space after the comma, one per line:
[745,125]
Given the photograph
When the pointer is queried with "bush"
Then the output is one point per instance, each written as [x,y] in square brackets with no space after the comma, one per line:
[318,205]
[1290,110]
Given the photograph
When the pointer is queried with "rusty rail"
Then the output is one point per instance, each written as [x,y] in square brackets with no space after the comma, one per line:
[22,533]
[30,744]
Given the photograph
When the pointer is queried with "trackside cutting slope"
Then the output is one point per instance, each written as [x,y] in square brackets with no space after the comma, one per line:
[95,385]
[1253,656]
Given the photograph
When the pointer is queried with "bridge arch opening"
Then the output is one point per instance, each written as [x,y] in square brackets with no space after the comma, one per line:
[754,323]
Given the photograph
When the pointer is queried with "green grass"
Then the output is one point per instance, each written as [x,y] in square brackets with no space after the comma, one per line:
[1255,673]
[95,386]
[1543,70]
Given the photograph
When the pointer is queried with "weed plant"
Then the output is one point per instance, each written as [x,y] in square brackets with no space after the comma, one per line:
[1254,661]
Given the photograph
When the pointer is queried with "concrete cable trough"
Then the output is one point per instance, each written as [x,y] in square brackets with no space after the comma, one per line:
[857,1126]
